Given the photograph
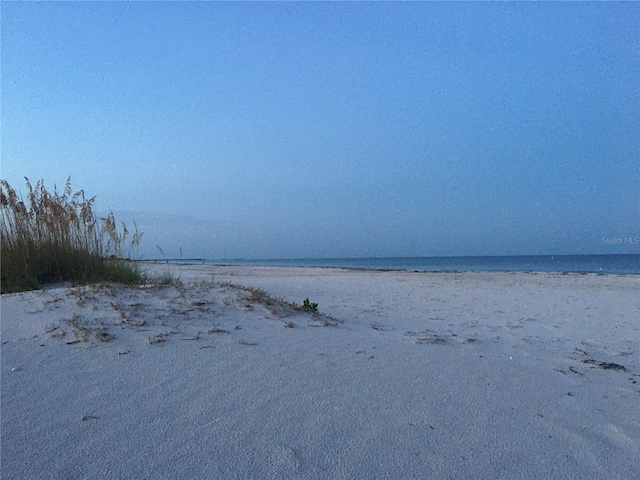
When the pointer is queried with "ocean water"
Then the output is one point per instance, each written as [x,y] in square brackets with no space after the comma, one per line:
[617,264]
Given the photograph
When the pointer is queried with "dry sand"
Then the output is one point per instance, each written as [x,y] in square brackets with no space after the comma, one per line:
[415,375]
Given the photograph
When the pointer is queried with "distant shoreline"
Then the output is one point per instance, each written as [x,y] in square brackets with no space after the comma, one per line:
[620,264]
[397,270]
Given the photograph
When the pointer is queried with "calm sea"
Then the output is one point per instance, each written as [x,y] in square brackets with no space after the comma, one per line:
[621,264]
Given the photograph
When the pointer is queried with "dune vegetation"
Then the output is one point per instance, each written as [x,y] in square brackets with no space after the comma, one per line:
[55,237]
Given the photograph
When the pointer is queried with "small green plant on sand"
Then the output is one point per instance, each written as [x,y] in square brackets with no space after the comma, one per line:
[307,306]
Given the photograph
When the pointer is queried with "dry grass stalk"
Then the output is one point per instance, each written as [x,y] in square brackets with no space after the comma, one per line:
[103,336]
[217,329]
[195,337]
[80,333]
[55,236]
[161,337]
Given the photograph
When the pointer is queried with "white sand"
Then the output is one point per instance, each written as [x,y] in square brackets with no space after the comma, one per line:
[429,375]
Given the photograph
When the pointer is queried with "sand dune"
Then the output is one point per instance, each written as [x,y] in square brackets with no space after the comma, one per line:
[402,375]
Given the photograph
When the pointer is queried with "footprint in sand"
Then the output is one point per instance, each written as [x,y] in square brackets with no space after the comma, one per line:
[284,461]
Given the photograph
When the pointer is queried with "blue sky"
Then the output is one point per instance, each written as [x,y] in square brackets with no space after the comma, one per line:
[289,130]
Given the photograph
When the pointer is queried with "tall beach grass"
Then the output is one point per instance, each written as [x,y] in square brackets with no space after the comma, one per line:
[53,237]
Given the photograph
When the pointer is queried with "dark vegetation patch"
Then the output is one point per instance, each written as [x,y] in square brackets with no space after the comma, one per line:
[605,365]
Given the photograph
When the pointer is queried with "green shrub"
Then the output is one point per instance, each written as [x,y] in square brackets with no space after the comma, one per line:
[309,307]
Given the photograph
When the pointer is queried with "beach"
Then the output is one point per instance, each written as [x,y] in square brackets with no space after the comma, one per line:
[398,375]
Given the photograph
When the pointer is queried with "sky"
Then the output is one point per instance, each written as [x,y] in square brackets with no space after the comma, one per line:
[326,129]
